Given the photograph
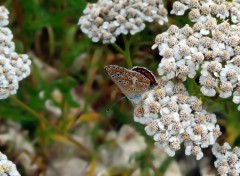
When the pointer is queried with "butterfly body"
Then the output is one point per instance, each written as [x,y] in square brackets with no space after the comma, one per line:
[133,83]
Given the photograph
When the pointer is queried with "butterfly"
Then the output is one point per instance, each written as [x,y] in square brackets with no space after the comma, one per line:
[133,83]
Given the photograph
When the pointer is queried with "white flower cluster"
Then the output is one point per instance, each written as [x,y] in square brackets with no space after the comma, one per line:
[13,67]
[200,10]
[228,162]
[3,16]
[173,117]
[107,19]
[208,47]
[7,168]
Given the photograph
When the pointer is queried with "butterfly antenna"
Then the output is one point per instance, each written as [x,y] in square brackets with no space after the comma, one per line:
[115,103]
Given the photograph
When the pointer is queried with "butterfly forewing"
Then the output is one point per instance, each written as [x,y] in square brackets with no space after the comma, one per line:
[131,83]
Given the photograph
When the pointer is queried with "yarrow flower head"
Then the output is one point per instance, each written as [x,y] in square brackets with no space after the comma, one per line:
[209,47]
[107,19]
[228,162]
[13,67]
[3,16]
[7,167]
[173,117]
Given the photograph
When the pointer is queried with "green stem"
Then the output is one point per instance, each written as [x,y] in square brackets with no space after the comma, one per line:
[30,110]
[45,122]
[164,166]
[127,44]
[83,149]
[126,51]
[118,48]
[156,171]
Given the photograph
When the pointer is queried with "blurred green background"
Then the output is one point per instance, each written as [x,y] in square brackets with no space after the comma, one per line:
[68,91]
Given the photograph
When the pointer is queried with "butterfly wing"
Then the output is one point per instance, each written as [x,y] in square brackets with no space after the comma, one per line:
[133,84]
[148,74]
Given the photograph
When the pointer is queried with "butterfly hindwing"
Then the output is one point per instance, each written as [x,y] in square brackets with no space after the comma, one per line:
[148,74]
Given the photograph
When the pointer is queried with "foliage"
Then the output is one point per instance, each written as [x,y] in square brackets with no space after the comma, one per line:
[67,70]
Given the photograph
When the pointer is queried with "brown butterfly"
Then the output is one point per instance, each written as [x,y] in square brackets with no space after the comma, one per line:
[133,83]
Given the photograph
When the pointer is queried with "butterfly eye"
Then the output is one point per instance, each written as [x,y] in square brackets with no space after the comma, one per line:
[113,76]
[127,82]
[134,89]
[129,90]
[119,81]
[129,78]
